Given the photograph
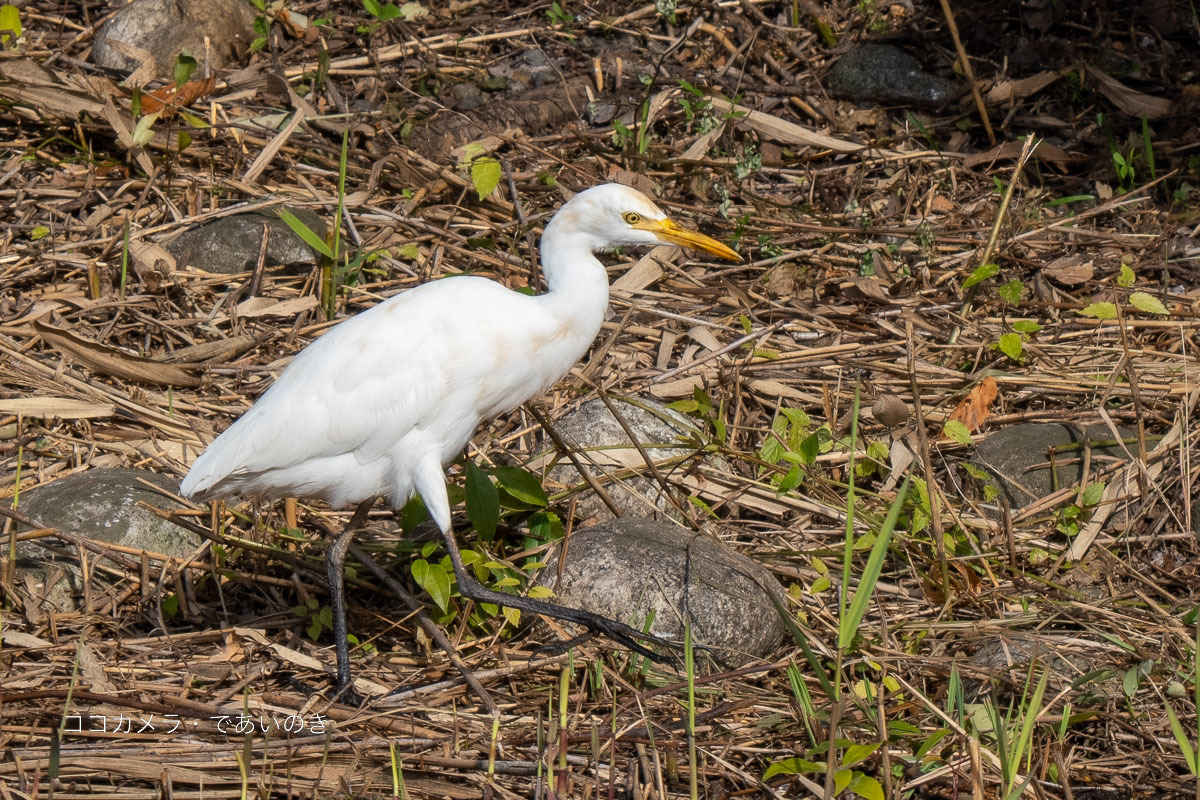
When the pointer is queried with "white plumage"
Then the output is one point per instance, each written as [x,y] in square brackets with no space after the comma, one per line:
[379,404]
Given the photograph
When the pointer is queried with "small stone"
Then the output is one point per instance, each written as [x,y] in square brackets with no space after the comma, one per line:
[883,73]
[229,245]
[157,31]
[596,435]
[626,569]
[100,504]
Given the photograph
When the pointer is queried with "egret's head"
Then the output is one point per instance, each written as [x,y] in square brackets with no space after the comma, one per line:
[611,215]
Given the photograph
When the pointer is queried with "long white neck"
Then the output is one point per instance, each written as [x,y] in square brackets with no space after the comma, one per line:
[576,281]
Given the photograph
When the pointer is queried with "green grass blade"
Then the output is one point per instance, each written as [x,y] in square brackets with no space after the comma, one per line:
[306,233]
[866,584]
[1181,738]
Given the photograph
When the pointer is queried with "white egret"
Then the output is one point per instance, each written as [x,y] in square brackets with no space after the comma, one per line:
[382,402]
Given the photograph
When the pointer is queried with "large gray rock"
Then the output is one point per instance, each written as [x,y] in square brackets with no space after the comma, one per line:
[100,504]
[1019,456]
[886,74]
[603,447]
[230,244]
[627,569]
[159,30]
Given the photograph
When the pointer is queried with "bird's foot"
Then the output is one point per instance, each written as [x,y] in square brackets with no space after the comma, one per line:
[345,695]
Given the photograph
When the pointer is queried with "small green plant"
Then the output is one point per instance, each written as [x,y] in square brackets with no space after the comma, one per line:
[876,19]
[1080,512]
[700,407]
[666,10]
[558,16]
[622,137]
[10,26]
[262,25]
[697,108]
[767,246]
[1012,731]
[390,11]
[792,443]
[489,494]
[316,617]
[749,161]
[1126,173]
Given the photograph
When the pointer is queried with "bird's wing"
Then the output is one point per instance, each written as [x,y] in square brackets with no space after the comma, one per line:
[360,388]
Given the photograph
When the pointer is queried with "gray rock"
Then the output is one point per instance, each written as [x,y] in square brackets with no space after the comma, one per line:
[602,445]
[1019,456]
[230,244]
[886,74]
[162,29]
[628,568]
[101,504]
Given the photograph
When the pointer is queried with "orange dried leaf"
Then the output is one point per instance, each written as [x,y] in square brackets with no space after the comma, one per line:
[169,99]
[977,405]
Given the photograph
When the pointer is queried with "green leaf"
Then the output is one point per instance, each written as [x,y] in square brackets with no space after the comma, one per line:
[483,501]
[810,447]
[521,484]
[1012,345]
[143,132]
[306,233]
[485,176]
[437,583]
[10,27]
[848,626]
[1126,278]
[792,766]
[372,7]
[1147,303]
[183,139]
[1093,494]
[793,478]
[981,273]
[193,121]
[772,449]
[540,592]
[1100,311]
[1026,326]
[956,431]
[185,65]
[858,752]
[684,406]
[388,12]
[866,787]
[1012,291]
[797,416]
[40,232]
[409,251]
[1181,738]
[1129,684]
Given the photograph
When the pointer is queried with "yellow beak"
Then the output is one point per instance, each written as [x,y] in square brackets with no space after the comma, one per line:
[669,232]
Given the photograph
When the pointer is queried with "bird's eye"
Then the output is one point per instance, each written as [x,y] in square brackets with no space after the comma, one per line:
[632,217]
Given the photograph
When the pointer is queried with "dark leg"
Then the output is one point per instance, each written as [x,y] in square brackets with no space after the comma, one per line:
[617,631]
[335,560]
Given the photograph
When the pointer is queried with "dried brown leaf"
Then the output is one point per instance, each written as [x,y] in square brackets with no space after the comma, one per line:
[1070,270]
[975,408]
[55,408]
[171,98]
[111,361]
[1128,100]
